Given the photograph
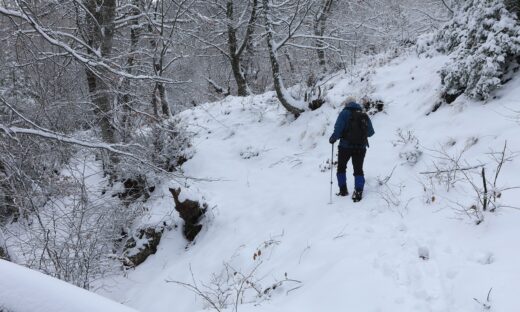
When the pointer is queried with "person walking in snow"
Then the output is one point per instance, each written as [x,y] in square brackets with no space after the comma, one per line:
[353,128]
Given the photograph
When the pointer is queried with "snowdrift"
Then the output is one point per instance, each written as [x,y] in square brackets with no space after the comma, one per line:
[25,290]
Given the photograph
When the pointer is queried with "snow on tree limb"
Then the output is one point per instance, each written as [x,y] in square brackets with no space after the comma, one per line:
[41,132]
[51,37]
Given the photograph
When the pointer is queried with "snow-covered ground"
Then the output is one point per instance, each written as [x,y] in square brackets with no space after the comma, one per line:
[25,290]
[406,247]
[272,239]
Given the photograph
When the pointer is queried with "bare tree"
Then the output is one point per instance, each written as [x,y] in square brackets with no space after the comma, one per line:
[291,15]
[228,26]
[99,32]
[236,49]
[164,17]
[319,25]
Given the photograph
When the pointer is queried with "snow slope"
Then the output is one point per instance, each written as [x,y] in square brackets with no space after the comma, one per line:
[25,290]
[405,247]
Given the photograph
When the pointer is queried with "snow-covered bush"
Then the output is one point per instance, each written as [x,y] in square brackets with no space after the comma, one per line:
[174,142]
[483,40]
[160,148]
[236,285]
[425,43]
[249,152]
[325,166]
[73,234]
[29,168]
[481,179]
[409,144]
[167,145]
[372,106]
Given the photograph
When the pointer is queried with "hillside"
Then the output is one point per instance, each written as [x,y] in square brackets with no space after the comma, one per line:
[412,244]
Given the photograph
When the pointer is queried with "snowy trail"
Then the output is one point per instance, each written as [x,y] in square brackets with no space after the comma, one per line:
[357,257]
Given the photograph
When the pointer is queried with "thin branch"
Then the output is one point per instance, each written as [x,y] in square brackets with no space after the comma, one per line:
[451,170]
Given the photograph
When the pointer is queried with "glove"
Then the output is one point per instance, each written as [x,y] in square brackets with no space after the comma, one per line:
[332,140]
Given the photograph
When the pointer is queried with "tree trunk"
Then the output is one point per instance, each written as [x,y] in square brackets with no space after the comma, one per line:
[159,100]
[103,100]
[155,102]
[319,31]
[238,74]
[7,204]
[235,52]
[126,99]
[250,72]
[100,32]
[165,106]
[281,92]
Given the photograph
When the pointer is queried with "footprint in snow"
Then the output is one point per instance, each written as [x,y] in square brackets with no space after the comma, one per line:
[451,273]
[424,253]
[482,257]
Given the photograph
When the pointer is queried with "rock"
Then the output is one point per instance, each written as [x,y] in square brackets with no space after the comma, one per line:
[315,104]
[141,245]
[190,211]
[134,189]
[191,230]
[451,97]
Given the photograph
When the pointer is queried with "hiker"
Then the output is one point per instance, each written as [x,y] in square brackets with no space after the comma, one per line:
[352,128]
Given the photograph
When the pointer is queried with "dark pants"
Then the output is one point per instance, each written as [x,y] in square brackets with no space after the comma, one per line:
[358,157]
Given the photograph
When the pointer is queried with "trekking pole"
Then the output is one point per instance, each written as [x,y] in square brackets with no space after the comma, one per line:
[331,168]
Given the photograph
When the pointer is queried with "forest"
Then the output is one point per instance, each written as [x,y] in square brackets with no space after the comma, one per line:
[126,122]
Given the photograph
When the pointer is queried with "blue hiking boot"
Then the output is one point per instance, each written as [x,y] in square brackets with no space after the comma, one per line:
[342,183]
[357,196]
[359,182]
[343,191]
